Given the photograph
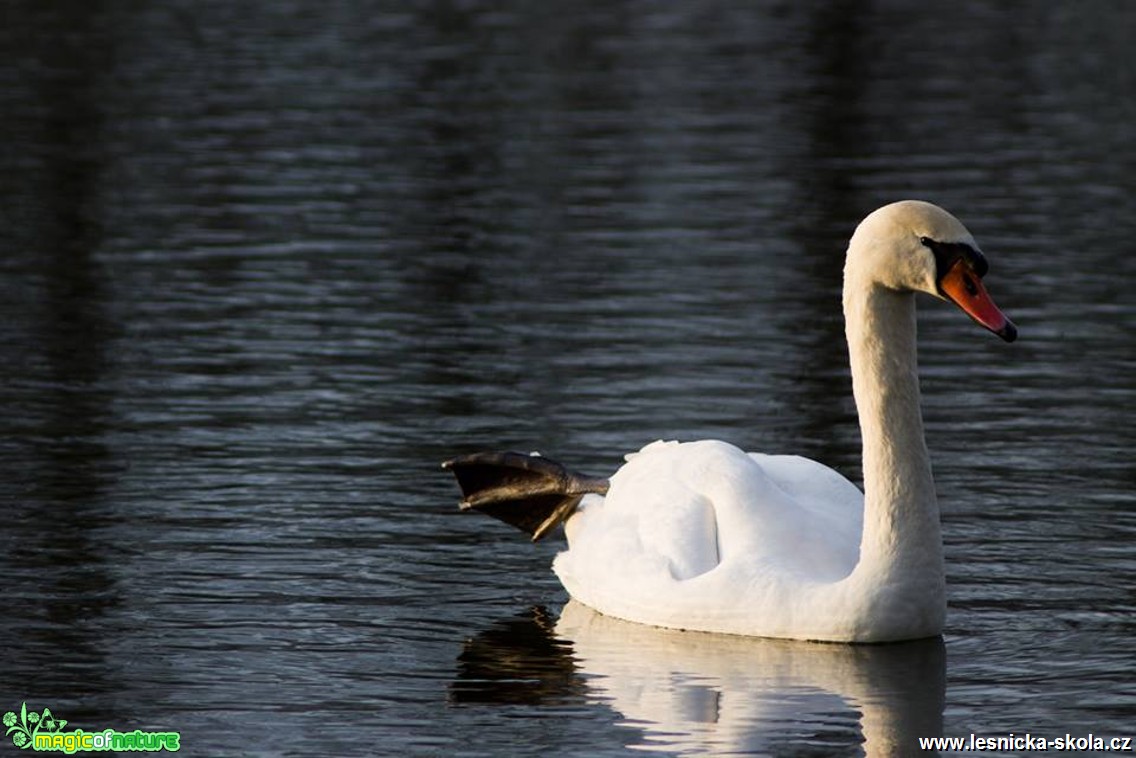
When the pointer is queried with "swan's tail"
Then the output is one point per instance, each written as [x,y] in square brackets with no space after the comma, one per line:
[530,492]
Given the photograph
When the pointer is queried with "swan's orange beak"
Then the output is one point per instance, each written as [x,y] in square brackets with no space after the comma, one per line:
[963,287]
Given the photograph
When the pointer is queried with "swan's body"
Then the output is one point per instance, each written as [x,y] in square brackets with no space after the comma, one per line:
[703,536]
[734,542]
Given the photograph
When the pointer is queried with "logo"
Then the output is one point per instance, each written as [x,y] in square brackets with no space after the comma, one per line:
[43,731]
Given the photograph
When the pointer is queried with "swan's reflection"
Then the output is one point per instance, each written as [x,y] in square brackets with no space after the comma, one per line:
[716,694]
[518,661]
[689,692]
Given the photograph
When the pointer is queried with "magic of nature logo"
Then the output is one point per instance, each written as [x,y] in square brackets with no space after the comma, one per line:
[42,730]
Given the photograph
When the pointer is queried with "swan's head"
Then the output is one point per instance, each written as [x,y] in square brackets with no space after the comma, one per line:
[913,246]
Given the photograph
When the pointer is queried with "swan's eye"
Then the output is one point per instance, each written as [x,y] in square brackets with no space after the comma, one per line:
[926,241]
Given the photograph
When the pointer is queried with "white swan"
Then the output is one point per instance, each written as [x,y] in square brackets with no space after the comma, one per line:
[703,536]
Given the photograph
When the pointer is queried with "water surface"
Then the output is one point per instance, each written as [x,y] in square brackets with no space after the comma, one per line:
[263,266]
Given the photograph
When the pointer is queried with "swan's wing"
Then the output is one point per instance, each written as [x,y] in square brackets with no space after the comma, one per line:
[702,535]
[677,511]
[833,504]
[650,521]
[805,522]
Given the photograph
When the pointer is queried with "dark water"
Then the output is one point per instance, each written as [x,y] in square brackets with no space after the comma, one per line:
[264,265]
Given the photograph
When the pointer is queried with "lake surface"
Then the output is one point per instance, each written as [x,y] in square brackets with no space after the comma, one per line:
[264,265]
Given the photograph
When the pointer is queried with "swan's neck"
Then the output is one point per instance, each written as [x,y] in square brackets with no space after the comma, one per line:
[901,537]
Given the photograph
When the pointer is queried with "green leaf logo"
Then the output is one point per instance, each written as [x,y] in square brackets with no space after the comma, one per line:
[23,728]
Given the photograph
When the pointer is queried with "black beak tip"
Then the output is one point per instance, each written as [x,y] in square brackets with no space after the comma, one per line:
[1009,332]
